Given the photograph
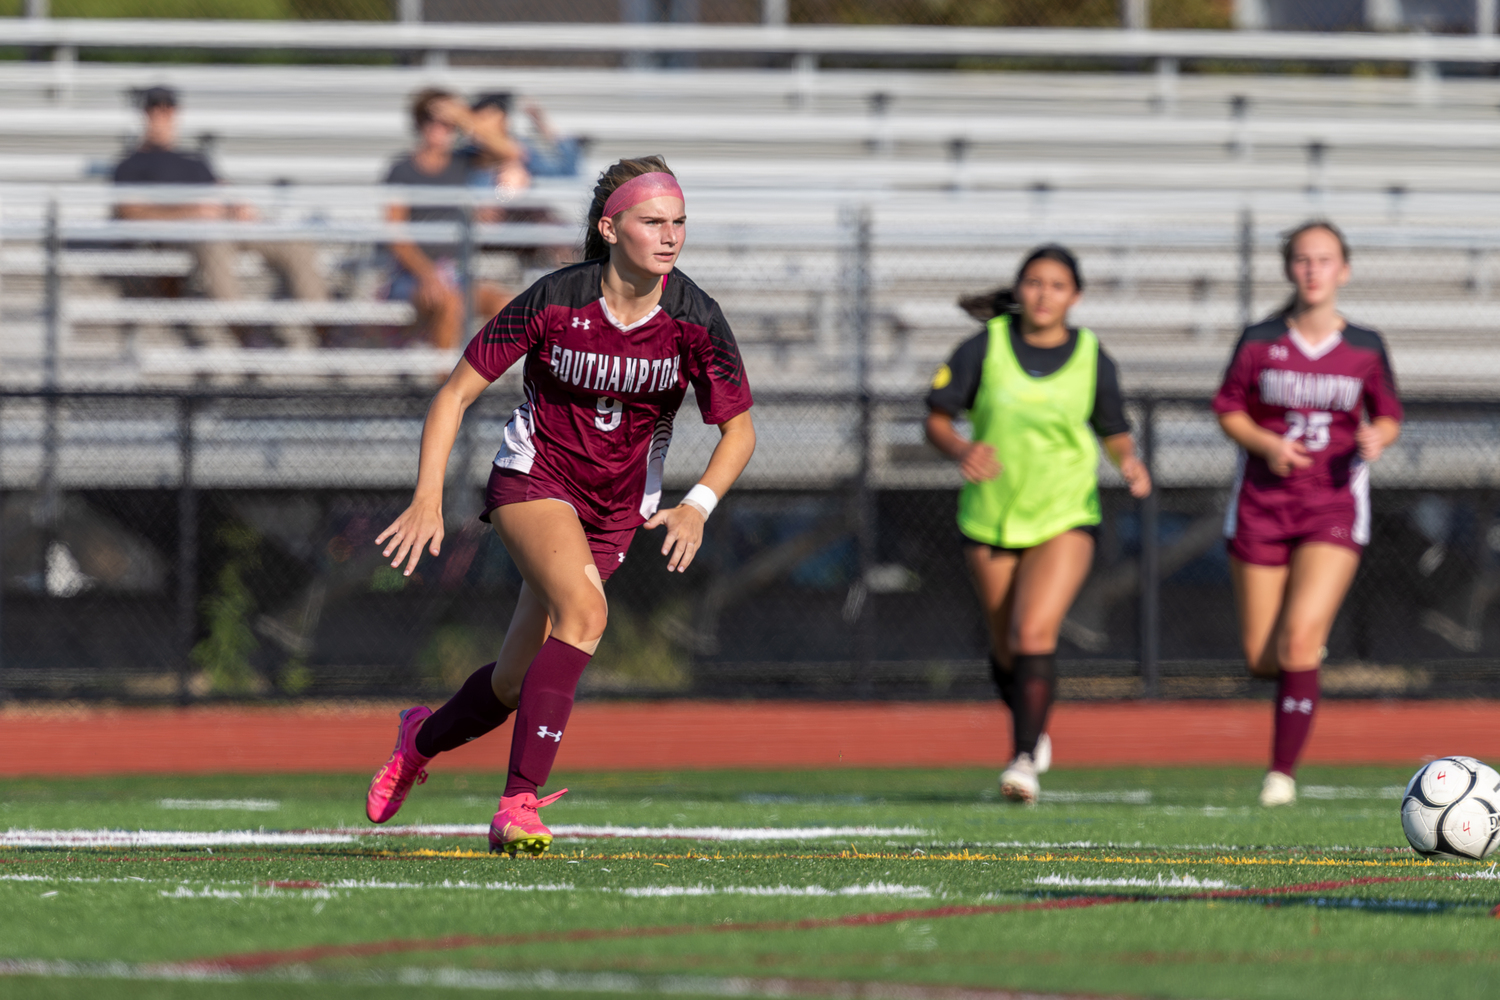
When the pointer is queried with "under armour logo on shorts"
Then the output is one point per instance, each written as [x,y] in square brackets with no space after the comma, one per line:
[544,733]
[1305,706]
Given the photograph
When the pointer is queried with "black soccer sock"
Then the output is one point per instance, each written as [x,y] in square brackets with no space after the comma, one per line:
[469,714]
[1036,684]
[1005,682]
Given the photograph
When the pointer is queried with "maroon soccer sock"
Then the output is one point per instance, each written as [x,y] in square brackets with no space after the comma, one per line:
[546,701]
[469,714]
[1035,685]
[1296,701]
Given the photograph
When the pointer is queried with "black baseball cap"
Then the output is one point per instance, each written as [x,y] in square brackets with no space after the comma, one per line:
[158,97]
[500,100]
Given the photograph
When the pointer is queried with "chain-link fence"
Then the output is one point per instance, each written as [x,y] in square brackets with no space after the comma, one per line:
[194,544]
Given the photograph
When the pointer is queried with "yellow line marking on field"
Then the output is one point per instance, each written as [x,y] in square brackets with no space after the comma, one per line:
[1022,858]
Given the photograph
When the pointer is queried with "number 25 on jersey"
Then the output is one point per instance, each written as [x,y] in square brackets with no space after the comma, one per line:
[1312,429]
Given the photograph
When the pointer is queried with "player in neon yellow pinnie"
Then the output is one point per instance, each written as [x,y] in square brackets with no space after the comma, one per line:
[1037,394]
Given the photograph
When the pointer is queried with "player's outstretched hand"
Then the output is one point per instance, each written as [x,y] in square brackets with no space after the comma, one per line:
[419,526]
[1136,477]
[979,464]
[1287,456]
[684,535]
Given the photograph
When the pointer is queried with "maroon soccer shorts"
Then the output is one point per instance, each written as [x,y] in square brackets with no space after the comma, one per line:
[1336,524]
[506,486]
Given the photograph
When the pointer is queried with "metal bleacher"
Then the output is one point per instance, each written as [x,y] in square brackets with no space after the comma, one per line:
[1172,186]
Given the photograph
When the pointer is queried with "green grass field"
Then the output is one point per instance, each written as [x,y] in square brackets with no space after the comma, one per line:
[1168,883]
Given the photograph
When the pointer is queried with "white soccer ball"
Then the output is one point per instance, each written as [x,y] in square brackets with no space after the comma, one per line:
[1452,808]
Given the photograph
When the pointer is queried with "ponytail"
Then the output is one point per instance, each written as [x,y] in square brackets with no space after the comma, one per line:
[594,246]
[1003,301]
[987,305]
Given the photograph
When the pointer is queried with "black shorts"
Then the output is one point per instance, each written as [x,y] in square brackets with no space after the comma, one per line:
[1092,530]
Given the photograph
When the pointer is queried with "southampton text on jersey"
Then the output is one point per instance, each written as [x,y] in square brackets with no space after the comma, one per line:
[613,372]
[1309,390]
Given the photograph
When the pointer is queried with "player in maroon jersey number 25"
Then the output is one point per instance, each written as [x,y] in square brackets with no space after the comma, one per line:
[609,347]
[1311,400]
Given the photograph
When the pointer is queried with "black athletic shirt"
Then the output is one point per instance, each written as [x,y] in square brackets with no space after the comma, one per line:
[460,166]
[155,165]
[967,365]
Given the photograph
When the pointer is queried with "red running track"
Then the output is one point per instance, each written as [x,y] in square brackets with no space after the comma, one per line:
[60,740]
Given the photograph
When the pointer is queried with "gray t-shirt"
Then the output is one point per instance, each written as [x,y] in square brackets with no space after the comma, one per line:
[455,174]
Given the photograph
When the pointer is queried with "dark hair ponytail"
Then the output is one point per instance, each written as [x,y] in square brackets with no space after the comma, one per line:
[594,246]
[1289,246]
[1003,301]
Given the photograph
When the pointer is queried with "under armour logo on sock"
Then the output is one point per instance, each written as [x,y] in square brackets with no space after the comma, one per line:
[544,733]
[1305,706]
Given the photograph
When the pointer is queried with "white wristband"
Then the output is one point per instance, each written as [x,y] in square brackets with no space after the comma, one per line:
[703,498]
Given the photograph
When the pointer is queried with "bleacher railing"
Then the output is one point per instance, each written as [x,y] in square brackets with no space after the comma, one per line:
[805,44]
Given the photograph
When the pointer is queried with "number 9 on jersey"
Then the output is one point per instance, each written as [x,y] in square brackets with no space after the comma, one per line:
[610,413]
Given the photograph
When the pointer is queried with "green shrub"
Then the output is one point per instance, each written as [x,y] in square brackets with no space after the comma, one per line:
[224,654]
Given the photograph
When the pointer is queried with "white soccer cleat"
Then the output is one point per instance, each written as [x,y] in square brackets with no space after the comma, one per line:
[1018,781]
[1042,759]
[1278,789]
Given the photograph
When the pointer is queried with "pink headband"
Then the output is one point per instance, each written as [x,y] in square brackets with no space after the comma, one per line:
[641,188]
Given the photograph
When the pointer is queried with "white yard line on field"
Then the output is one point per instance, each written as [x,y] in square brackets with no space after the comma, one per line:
[1132,796]
[872,889]
[169,838]
[221,805]
[1350,792]
[1173,881]
[542,981]
[326,890]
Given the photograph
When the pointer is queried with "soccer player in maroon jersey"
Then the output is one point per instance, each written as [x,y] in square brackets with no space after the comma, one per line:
[610,346]
[1311,400]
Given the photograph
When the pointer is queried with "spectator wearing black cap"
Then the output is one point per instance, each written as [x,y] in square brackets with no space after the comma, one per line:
[544,153]
[427,274]
[156,161]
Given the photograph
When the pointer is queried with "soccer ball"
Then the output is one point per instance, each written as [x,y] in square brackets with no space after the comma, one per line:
[1452,808]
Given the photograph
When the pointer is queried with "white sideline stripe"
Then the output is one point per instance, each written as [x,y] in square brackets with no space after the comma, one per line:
[1134,796]
[328,890]
[542,981]
[1350,792]
[872,889]
[243,805]
[731,833]
[168,838]
[1174,881]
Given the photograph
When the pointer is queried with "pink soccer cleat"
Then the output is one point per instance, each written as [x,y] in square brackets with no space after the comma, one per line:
[405,768]
[517,827]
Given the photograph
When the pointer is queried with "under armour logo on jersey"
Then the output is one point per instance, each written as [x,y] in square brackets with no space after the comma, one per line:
[578,322]
[1305,706]
[622,557]
[544,733]
[1278,352]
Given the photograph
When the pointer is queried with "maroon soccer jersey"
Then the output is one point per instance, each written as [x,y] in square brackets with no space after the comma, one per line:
[601,397]
[1317,396]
